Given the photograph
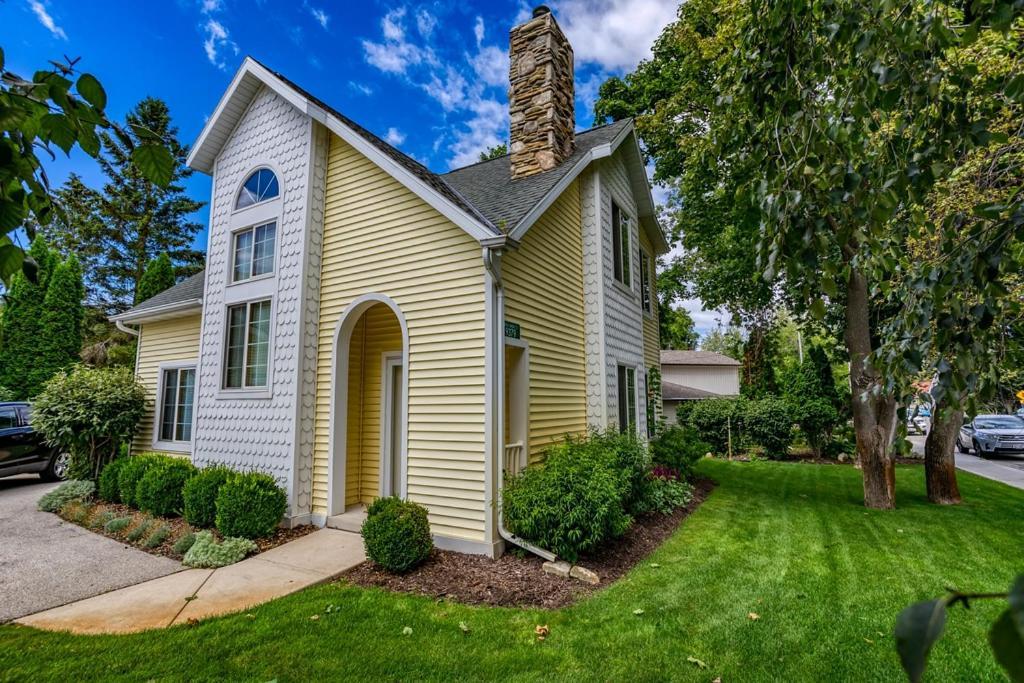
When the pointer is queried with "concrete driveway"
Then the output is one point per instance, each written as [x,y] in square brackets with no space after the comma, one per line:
[1006,469]
[46,562]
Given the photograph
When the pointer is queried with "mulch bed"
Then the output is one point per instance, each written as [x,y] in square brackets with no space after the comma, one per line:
[518,581]
[178,528]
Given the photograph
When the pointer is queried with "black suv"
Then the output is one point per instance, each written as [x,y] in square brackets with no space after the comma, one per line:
[23,450]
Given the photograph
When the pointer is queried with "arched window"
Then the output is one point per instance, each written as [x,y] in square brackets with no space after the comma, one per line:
[258,187]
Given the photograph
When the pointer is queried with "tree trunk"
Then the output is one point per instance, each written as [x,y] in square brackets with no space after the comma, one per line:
[939,456]
[874,412]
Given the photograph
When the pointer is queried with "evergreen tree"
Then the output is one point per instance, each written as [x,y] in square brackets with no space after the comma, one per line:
[78,228]
[141,219]
[60,343]
[159,275]
[22,322]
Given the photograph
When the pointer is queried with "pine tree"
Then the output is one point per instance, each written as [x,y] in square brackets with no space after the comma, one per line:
[140,219]
[60,342]
[159,275]
[22,322]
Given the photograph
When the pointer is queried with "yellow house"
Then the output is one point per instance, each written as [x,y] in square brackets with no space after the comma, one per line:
[367,327]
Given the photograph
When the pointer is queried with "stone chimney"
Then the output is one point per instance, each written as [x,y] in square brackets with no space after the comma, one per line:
[540,97]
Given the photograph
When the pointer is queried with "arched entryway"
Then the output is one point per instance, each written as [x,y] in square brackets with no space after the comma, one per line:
[369,390]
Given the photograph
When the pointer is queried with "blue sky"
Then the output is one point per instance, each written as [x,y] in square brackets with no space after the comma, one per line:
[430,77]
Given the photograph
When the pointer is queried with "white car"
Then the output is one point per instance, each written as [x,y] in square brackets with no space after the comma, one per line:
[992,435]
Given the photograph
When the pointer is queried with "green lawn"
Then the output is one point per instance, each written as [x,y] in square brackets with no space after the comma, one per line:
[790,542]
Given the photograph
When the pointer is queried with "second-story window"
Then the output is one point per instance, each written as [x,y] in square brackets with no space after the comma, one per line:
[620,245]
[646,298]
[254,252]
[248,352]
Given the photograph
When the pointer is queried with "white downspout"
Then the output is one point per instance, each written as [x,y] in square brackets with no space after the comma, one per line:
[492,263]
[124,328]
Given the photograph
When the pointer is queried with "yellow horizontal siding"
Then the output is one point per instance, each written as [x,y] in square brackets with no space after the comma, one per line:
[544,294]
[381,238]
[164,341]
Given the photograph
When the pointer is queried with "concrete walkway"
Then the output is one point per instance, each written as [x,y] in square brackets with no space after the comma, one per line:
[1008,470]
[46,562]
[200,593]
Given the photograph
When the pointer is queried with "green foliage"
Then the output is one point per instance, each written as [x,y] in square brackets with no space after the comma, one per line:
[396,534]
[72,490]
[132,471]
[184,542]
[571,503]
[811,392]
[714,419]
[157,536]
[664,495]
[109,484]
[139,531]
[628,456]
[60,340]
[816,418]
[920,626]
[250,505]
[5,393]
[205,551]
[100,521]
[90,413]
[117,525]
[159,491]
[675,326]
[53,110]
[200,495]
[768,423]
[495,152]
[158,276]
[757,376]
[22,318]
[726,341]
[679,448]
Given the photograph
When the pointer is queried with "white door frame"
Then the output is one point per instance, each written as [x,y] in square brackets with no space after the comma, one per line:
[389,362]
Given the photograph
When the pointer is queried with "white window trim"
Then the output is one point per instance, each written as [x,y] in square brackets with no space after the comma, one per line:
[636,394]
[226,392]
[241,183]
[158,443]
[388,361]
[252,252]
[626,249]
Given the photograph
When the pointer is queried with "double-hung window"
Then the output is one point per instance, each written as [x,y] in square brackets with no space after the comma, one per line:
[254,252]
[176,404]
[646,298]
[620,245]
[627,398]
[248,348]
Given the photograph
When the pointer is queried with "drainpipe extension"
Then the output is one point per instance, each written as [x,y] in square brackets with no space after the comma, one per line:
[492,263]
[127,330]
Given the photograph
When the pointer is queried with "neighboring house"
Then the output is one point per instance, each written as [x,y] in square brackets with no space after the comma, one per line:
[696,375]
[366,327]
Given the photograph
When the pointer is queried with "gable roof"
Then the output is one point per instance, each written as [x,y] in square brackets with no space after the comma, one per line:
[482,199]
[678,392]
[669,357]
[180,298]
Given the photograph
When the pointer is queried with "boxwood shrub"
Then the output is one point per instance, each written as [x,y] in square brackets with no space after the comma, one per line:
[108,488]
[678,448]
[200,495]
[159,492]
[249,505]
[131,472]
[713,418]
[769,423]
[572,502]
[396,534]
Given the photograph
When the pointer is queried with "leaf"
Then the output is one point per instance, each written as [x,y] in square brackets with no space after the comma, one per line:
[1008,645]
[753,616]
[638,611]
[155,162]
[91,90]
[697,662]
[464,627]
[818,309]
[11,259]
[918,628]
[407,631]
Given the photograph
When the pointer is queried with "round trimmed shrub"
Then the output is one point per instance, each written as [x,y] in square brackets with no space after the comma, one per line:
[249,505]
[109,488]
[159,491]
[571,503]
[131,473]
[679,448]
[714,418]
[396,534]
[200,494]
[769,423]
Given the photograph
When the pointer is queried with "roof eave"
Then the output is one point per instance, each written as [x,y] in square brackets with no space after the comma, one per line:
[177,309]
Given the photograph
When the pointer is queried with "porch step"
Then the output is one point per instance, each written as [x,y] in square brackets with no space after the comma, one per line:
[350,520]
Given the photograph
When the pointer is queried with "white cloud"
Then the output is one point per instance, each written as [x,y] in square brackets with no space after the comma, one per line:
[491,65]
[478,30]
[614,34]
[360,88]
[488,127]
[425,23]
[320,16]
[704,321]
[46,20]
[210,6]
[217,38]
[450,92]
[393,24]
[396,54]
[394,136]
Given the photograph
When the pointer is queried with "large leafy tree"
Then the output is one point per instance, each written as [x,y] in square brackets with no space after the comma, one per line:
[55,109]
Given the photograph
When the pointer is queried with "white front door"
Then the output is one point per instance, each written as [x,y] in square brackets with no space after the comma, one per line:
[391,420]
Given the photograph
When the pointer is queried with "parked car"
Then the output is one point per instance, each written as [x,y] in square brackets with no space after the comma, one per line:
[992,435]
[22,449]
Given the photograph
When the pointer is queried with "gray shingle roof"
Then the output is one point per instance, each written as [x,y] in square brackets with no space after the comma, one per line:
[489,186]
[678,392]
[189,289]
[696,358]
